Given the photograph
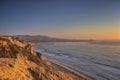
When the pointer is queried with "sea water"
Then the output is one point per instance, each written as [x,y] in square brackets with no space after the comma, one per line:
[102,62]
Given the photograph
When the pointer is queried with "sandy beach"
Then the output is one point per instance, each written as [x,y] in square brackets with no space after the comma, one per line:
[59,66]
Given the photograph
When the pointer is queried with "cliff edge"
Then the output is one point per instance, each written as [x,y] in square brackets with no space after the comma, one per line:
[19,61]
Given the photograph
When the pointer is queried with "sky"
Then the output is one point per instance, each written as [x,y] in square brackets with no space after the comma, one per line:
[72,19]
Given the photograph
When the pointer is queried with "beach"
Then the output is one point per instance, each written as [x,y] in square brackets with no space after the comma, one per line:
[61,67]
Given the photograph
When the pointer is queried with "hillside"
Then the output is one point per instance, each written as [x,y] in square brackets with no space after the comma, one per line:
[41,38]
[19,61]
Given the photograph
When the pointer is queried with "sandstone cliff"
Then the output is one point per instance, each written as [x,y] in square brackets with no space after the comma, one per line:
[19,61]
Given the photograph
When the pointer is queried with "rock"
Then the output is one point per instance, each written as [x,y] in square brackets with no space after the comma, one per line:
[19,61]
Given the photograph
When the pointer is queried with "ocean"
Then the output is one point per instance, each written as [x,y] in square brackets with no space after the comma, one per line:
[98,60]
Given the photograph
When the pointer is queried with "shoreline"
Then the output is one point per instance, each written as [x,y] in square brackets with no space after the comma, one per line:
[64,68]
[61,67]
[69,64]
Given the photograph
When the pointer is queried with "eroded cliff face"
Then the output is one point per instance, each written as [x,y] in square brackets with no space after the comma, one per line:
[19,61]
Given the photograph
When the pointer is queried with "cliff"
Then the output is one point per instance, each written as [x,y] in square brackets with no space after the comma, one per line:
[19,61]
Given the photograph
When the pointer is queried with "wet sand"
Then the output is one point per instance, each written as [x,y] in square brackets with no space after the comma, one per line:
[59,66]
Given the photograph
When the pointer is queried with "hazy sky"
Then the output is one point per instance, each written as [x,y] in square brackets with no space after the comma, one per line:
[79,19]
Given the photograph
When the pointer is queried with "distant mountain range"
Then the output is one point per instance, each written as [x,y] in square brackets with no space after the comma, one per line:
[41,38]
